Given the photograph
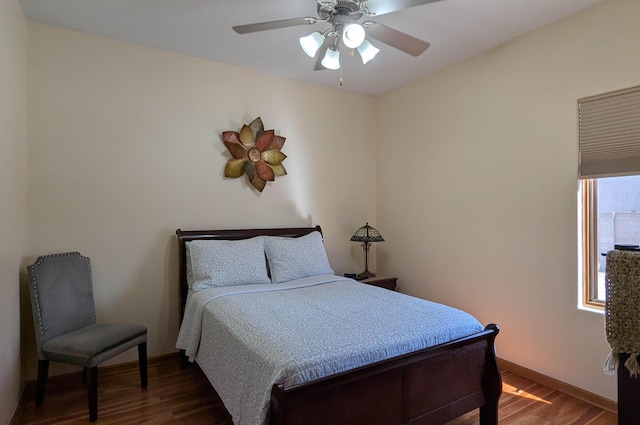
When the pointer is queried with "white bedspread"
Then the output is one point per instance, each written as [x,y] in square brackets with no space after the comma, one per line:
[246,338]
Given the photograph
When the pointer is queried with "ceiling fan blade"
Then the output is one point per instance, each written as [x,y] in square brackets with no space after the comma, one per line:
[271,25]
[380,7]
[395,38]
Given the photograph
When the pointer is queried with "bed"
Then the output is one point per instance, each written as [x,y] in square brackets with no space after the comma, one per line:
[445,375]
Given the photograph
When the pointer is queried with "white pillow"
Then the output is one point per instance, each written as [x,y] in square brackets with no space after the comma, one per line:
[295,258]
[227,263]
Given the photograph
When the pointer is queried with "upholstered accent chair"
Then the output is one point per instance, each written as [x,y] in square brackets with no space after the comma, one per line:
[65,323]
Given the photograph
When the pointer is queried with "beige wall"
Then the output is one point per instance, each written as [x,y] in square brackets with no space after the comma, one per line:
[478,201]
[13,195]
[124,148]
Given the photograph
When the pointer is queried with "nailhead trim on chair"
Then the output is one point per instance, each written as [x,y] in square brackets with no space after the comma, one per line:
[35,282]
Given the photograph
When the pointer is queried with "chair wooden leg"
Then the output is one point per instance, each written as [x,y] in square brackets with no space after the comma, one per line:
[92,392]
[142,360]
[183,359]
[41,384]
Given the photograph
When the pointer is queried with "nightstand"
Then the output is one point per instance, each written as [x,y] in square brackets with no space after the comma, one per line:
[381,281]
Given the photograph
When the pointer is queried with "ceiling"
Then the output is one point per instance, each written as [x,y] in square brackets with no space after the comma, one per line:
[456,29]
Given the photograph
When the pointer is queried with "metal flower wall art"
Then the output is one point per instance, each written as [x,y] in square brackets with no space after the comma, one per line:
[256,153]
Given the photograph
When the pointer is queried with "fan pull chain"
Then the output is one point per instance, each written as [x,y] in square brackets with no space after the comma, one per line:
[340,53]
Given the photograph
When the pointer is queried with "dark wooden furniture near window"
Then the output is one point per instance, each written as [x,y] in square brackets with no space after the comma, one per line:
[381,281]
[426,387]
[628,395]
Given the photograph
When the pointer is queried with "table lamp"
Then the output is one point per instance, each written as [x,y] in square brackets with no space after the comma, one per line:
[366,234]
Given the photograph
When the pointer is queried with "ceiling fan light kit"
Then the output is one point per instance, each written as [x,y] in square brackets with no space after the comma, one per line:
[311,43]
[353,35]
[346,18]
[367,51]
[331,59]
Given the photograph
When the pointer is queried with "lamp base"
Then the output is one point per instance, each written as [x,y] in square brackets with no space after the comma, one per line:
[365,275]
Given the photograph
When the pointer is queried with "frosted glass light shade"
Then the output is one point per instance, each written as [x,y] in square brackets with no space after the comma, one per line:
[311,43]
[353,36]
[331,59]
[367,51]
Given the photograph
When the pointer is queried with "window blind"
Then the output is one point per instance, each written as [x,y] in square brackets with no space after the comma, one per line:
[609,134]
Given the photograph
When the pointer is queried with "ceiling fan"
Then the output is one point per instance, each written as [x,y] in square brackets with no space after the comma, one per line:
[348,27]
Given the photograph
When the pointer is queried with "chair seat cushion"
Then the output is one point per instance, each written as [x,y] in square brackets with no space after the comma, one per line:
[93,344]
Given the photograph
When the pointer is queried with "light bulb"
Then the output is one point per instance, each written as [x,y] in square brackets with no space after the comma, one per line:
[353,35]
[311,43]
[367,51]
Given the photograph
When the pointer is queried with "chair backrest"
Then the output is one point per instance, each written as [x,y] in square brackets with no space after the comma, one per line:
[61,295]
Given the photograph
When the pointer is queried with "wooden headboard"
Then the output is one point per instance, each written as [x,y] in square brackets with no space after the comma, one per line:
[190,235]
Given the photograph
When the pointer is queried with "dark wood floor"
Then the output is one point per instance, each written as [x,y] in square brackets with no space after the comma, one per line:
[177,396]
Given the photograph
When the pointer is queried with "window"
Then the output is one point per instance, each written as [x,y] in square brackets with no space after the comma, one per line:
[610,215]
[609,196]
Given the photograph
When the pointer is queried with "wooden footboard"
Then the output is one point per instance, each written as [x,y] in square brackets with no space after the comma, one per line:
[431,386]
